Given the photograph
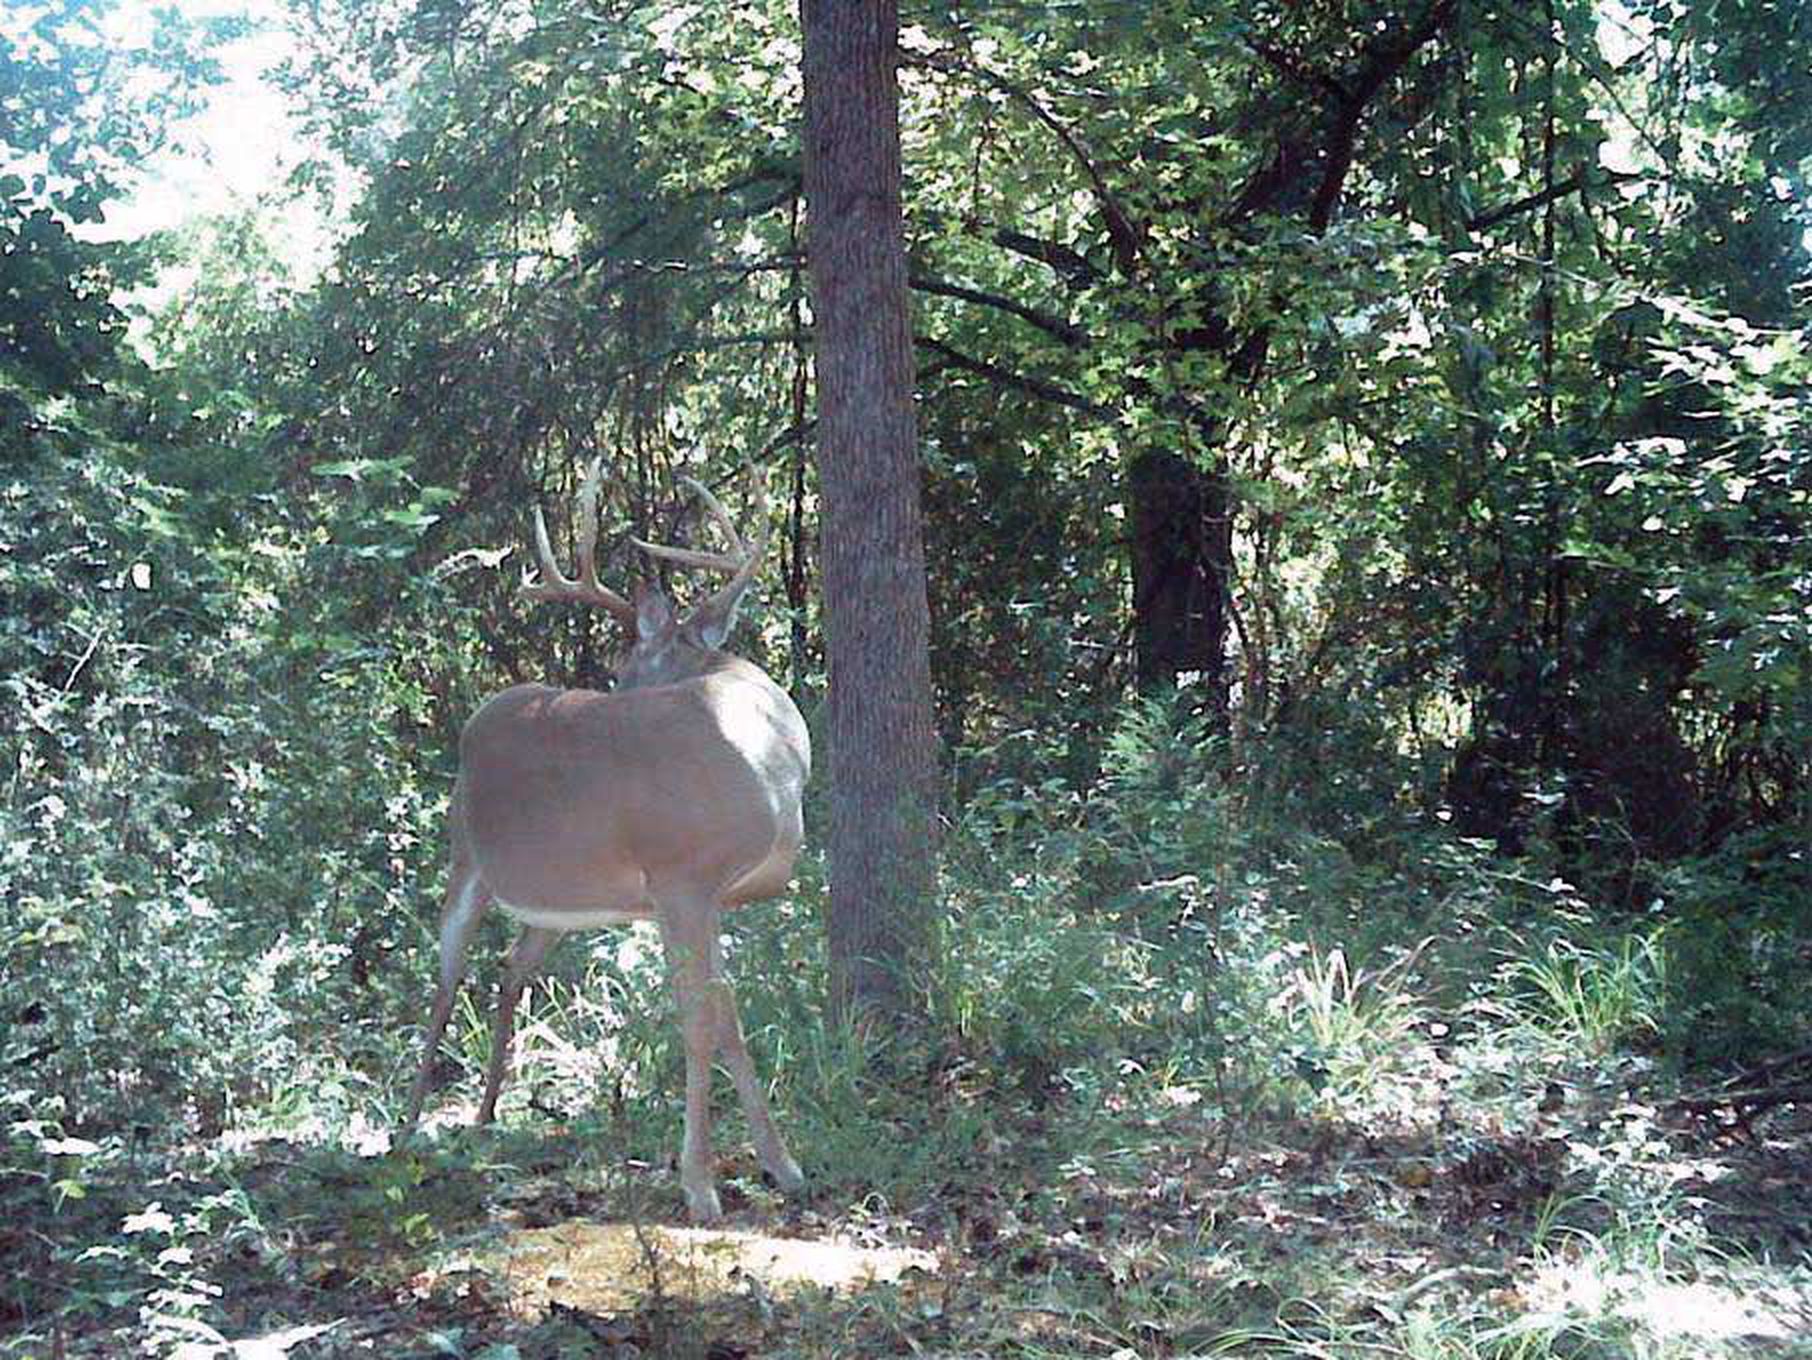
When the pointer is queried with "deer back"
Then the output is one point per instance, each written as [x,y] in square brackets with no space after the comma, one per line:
[606,804]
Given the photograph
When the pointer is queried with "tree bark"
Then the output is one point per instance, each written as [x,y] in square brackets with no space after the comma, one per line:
[883,762]
[1182,568]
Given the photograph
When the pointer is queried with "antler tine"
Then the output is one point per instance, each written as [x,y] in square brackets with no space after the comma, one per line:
[718,513]
[587,502]
[751,563]
[692,557]
[555,584]
[725,597]
[742,564]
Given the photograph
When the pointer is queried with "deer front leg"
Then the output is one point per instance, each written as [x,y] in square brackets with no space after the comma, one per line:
[690,941]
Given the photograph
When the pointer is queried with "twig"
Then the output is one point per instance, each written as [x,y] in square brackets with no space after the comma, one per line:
[1054,326]
[1771,1066]
[93,643]
[1126,237]
[1746,1104]
[1752,1091]
[1579,182]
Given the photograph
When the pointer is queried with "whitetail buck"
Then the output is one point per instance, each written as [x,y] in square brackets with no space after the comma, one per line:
[672,798]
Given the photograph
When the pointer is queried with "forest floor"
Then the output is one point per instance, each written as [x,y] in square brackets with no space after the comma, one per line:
[1468,1204]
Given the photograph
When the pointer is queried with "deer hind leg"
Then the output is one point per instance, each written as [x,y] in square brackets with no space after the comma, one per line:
[525,961]
[466,902]
[768,1144]
[711,1027]
[689,938]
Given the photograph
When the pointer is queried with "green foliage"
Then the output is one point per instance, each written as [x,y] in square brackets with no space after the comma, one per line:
[1737,981]
[1357,1023]
[81,110]
[1597,997]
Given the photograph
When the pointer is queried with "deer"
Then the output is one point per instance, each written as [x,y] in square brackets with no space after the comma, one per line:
[673,797]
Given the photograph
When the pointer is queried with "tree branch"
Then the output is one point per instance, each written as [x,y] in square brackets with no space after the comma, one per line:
[1331,134]
[1074,266]
[1034,387]
[1385,61]
[1578,182]
[1054,326]
[1125,236]
[1286,65]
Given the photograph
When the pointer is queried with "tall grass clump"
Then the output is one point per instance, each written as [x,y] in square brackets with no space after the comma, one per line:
[1594,996]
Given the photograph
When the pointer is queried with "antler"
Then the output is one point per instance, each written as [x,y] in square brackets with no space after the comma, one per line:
[742,561]
[554,585]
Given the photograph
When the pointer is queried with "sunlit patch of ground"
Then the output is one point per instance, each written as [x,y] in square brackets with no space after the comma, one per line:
[1712,1312]
[1539,1209]
[1698,1310]
[619,1267]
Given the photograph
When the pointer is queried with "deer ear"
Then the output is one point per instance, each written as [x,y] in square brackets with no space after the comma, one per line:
[653,612]
[712,623]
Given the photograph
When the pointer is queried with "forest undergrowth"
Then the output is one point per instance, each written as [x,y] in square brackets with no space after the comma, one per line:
[1211,1071]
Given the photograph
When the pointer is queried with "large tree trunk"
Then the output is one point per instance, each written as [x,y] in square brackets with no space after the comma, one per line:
[1182,563]
[882,749]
